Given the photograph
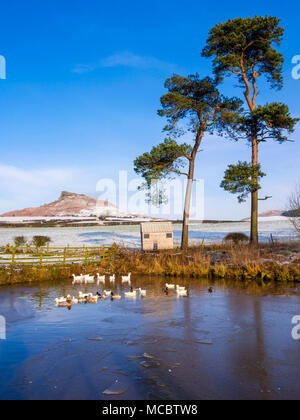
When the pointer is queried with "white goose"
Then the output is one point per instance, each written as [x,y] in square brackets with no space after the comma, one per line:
[89,279]
[126,279]
[77,279]
[100,279]
[180,287]
[170,286]
[112,278]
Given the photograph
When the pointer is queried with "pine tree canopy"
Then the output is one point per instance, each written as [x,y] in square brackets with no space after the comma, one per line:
[198,106]
[245,47]
[271,121]
[238,179]
[197,102]
[163,161]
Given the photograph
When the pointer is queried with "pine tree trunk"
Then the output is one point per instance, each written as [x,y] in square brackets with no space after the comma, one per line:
[187,204]
[188,194]
[254,195]
[254,218]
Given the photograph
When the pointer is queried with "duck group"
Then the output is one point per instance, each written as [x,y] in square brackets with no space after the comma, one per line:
[68,301]
[180,290]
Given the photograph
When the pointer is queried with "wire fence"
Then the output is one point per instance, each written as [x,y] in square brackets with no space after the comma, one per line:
[41,256]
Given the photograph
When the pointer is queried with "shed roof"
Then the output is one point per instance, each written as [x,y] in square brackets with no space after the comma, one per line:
[156,227]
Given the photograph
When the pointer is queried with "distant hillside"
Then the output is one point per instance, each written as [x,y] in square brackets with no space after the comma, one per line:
[72,205]
[280,214]
[291,213]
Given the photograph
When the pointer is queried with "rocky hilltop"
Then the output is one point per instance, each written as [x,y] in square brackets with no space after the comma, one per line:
[69,205]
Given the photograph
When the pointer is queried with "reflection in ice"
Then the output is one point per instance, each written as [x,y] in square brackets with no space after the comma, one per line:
[117,388]
[235,343]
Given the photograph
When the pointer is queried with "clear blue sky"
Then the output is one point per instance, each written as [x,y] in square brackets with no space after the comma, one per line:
[83,86]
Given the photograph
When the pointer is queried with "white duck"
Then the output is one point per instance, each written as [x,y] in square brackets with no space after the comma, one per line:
[74,300]
[142,292]
[60,300]
[180,287]
[170,286]
[64,304]
[107,292]
[132,293]
[112,278]
[83,295]
[181,292]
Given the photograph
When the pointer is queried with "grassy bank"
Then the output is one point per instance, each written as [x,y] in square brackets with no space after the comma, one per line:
[279,262]
[244,262]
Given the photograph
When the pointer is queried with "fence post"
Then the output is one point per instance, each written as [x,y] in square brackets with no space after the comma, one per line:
[86,256]
[47,247]
[41,260]
[105,253]
[13,256]
[65,254]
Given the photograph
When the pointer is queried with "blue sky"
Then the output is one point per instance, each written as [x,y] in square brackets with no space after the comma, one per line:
[83,86]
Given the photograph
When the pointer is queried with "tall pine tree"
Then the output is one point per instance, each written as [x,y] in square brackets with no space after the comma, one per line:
[198,107]
[245,49]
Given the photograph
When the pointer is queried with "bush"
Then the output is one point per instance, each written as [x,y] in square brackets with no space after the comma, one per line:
[20,241]
[236,237]
[39,241]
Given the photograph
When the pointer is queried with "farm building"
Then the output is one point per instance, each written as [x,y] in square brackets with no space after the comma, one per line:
[157,235]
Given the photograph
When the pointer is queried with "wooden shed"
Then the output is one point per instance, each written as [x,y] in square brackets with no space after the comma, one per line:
[157,235]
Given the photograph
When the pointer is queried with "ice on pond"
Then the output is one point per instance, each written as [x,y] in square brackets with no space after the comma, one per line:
[95,339]
[150,364]
[133,357]
[206,343]
[148,356]
[117,388]
[175,365]
[154,341]
[132,343]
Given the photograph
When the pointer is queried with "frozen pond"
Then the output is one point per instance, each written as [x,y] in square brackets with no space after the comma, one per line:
[235,343]
[130,235]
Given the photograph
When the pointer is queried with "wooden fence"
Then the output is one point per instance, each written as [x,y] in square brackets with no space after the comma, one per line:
[28,255]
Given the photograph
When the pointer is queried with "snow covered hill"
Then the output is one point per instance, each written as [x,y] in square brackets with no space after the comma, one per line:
[71,205]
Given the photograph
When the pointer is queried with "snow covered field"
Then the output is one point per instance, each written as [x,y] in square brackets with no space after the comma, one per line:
[130,235]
